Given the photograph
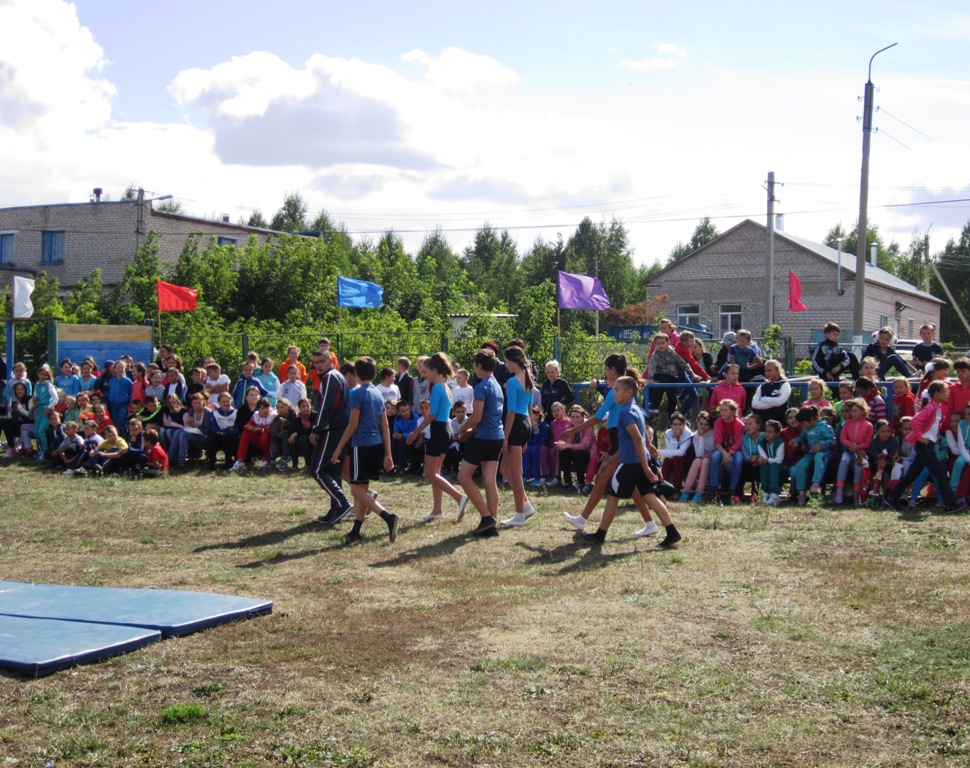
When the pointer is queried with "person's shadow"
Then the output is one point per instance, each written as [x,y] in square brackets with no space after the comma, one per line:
[441,548]
[578,555]
[266,539]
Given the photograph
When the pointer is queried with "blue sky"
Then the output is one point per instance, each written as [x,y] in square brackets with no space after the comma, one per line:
[528,115]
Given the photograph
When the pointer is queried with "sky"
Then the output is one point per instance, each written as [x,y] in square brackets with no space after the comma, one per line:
[525,115]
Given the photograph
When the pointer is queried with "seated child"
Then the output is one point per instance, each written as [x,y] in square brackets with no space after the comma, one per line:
[728,438]
[157,460]
[549,453]
[66,455]
[532,453]
[751,457]
[575,454]
[676,450]
[904,401]
[702,446]
[867,390]
[256,434]
[405,456]
[771,449]
[855,437]
[817,390]
[818,440]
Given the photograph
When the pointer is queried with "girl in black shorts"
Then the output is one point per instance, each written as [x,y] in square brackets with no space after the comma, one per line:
[438,369]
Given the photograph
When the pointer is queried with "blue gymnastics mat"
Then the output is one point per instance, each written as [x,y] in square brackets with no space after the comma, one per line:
[131,612]
[38,647]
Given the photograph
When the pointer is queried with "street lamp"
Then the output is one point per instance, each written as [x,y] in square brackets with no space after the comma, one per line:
[860,250]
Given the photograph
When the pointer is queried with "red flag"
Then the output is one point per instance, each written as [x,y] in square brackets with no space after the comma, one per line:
[175,298]
[795,293]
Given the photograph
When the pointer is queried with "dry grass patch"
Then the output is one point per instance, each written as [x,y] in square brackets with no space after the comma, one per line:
[770,637]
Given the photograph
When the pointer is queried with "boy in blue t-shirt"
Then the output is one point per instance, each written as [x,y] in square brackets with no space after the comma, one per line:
[370,442]
[405,456]
[634,472]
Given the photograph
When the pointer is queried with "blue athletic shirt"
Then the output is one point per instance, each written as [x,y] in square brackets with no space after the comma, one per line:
[629,413]
[490,393]
[519,398]
[609,412]
[368,400]
[440,403]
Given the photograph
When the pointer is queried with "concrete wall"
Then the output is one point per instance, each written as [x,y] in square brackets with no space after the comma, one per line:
[105,235]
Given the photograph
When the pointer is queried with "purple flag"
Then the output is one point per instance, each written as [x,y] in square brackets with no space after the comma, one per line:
[581,292]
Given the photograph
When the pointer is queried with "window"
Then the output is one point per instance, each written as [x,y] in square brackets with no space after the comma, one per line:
[52,248]
[730,318]
[688,314]
[227,241]
[6,247]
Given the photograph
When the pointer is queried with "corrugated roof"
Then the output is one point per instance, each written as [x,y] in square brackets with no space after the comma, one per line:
[873,274]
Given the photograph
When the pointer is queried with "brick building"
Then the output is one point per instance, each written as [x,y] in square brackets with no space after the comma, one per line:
[723,284]
[68,241]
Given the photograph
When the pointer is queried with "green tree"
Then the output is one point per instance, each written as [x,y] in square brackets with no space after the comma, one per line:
[135,297]
[291,217]
[954,266]
[86,302]
[491,263]
[211,271]
[256,219]
[704,232]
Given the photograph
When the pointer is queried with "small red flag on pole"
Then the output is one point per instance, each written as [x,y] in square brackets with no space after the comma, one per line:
[175,298]
[795,293]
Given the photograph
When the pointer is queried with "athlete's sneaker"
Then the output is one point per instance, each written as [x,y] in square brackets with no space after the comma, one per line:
[587,490]
[649,529]
[353,537]
[430,517]
[577,521]
[592,538]
[684,496]
[392,522]
[516,521]
[698,497]
[237,466]
[537,483]
[670,539]
[264,465]
[528,510]
[462,506]
[486,527]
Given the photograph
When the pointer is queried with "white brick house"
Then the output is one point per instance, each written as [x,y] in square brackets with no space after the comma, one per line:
[724,281]
[68,241]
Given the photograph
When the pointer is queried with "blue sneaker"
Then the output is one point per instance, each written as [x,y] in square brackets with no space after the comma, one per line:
[684,496]
[698,497]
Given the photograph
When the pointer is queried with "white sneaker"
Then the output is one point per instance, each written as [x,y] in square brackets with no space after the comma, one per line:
[265,465]
[68,472]
[462,506]
[649,529]
[237,466]
[516,521]
[431,517]
[554,483]
[528,510]
[577,521]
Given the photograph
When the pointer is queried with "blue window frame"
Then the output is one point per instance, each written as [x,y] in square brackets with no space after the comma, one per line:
[6,248]
[52,248]
[227,241]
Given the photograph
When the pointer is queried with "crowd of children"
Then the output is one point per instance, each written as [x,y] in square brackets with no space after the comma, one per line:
[456,427]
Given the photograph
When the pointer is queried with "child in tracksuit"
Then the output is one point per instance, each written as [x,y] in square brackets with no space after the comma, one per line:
[771,449]
[818,439]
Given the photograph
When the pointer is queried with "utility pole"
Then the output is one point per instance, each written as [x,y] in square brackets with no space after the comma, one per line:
[770,255]
[926,255]
[858,317]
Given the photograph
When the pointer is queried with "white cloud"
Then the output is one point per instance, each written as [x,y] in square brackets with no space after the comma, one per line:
[669,55]
[458,70]
[49,67]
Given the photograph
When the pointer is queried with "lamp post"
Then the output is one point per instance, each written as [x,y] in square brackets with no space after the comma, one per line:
[860,251]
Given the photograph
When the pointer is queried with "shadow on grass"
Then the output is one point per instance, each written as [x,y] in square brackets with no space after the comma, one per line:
[437,549]
[285,557]
[265,539]
[578,555]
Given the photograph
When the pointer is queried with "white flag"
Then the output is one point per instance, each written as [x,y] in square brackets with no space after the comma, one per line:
[22,288]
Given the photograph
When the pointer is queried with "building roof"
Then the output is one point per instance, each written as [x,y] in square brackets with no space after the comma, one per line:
[873,274]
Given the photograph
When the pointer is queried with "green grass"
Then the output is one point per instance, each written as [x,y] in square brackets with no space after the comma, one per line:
[768,638]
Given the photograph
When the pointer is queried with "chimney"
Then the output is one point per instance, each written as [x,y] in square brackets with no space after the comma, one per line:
[780,222]
[97,194]
[874,255]
[225,218]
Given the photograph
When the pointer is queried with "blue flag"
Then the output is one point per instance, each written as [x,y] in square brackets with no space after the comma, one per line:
[358,293]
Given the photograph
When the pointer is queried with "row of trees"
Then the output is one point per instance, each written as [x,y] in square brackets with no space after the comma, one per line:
[287,290]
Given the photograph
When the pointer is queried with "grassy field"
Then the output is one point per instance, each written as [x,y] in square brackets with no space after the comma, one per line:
[767,638]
